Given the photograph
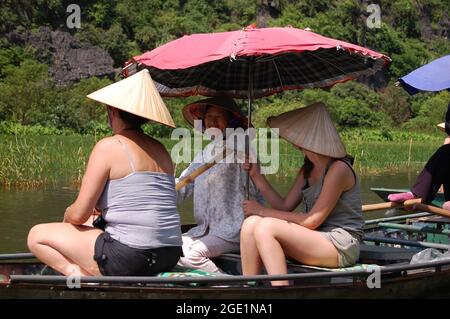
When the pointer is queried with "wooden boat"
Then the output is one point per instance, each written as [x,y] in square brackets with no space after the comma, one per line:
[423,227]
[23,277]
[384,259]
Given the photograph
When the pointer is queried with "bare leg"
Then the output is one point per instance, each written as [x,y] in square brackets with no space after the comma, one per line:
[276,239]
[64,246]
[251,261]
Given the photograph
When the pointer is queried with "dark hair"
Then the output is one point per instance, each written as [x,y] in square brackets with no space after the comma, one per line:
[132,119]
[308,165]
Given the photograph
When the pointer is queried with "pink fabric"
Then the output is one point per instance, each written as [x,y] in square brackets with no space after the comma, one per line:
[446,205]
[401,197]
[192,50]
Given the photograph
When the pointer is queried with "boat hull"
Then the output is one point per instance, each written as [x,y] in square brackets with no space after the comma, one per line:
[416,283]
[432,287]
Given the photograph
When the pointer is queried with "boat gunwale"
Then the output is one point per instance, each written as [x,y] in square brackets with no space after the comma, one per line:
[425,267]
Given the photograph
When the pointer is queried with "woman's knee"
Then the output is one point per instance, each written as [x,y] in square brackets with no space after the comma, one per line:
[248,226]
[195,259]
[264,228]
[45,233]
[194,254]
[35,236]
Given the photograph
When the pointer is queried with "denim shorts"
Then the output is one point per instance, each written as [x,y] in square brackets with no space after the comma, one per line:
[116,259]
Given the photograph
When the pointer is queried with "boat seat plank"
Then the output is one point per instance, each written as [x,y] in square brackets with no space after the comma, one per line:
[430,219]
[385,253]
[369,254]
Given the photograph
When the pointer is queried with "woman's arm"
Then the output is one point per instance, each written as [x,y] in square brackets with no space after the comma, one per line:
[288,203]
[338,179]
[97,173]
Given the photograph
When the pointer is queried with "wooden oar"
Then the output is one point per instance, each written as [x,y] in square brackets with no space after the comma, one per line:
[189,179]
[432,209]
[414,204]
[387,205]
[220,156]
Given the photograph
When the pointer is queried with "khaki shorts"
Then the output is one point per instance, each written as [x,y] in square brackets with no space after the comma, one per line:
[346,244]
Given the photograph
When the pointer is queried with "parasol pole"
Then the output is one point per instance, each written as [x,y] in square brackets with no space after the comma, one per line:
[249,117]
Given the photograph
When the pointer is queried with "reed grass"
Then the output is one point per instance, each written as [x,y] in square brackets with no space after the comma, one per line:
[371,158]
[36,161]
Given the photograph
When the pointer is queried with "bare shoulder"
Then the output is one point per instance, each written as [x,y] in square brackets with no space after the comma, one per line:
[342,172]
[155,141]
[157,145]
[106,142]
[104,145]
[340,167]
[160,154]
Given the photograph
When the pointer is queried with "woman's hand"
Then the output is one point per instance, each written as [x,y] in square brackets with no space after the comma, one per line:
[65,214]
[253,169]
[252,207]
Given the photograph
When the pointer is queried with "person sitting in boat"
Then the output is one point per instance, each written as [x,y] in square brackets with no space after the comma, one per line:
[219,191]
[329,231]
[129,179]
[436,173]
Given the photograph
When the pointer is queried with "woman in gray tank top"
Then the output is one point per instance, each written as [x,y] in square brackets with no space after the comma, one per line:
[328,233]
[129,179]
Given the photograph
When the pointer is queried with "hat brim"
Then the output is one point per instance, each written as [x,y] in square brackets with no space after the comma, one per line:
[153,121]
[137,95]
[299,146]
[311,129]
[196,111]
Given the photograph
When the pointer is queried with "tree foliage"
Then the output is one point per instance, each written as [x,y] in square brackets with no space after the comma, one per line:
[412,33]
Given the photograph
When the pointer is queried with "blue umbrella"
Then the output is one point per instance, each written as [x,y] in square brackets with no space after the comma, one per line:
[432,77]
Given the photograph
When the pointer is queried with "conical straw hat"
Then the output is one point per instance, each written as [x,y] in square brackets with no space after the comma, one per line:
[196,110]
[136,94]
[441,126]
[310,128]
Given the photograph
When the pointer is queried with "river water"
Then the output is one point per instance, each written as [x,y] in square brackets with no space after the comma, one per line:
[21,209]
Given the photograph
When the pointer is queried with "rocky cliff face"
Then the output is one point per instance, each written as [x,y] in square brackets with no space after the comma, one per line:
[69,60]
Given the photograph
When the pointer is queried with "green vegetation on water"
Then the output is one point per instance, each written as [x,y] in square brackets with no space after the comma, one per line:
[35,161]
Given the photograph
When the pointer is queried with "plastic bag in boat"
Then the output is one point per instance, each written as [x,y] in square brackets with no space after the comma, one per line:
[429,254]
